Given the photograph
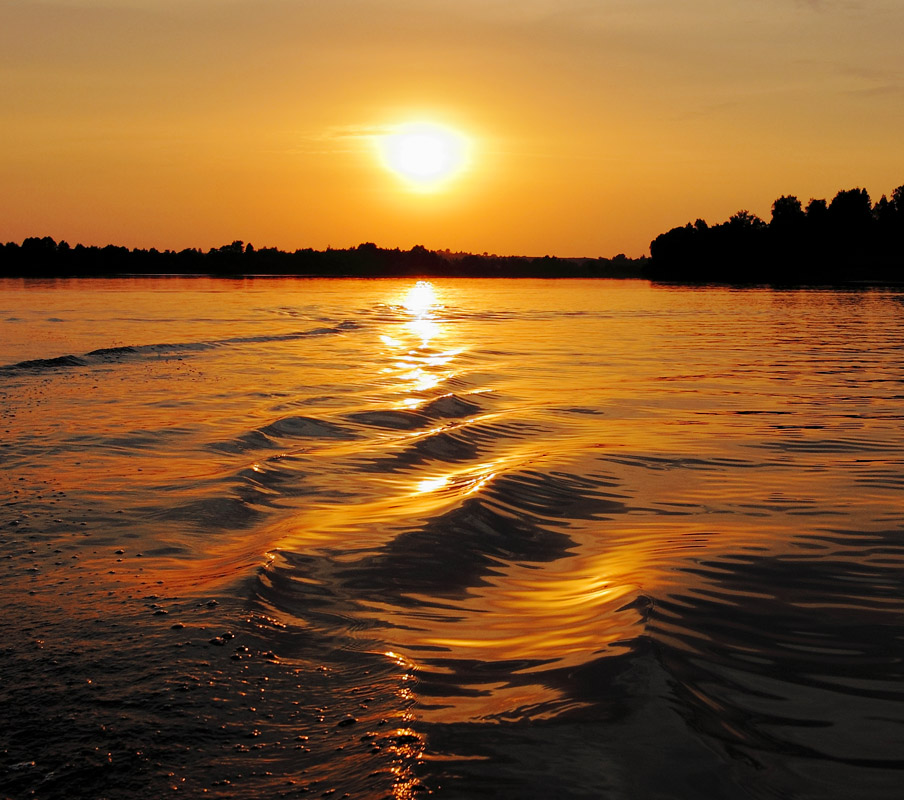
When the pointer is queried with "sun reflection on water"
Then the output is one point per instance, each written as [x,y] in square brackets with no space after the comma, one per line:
[432,484]
[421,298]
[421,301]
[424,329]
[415,360]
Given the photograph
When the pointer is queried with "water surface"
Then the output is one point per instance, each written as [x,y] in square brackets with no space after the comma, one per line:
[476,538]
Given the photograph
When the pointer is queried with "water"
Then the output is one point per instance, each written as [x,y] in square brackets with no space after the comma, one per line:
[512,539]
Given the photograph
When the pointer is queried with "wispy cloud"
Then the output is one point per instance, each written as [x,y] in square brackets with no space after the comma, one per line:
[882,90]
[345,132]
[339,138]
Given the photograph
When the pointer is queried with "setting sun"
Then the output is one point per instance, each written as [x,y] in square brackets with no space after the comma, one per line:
[425,155]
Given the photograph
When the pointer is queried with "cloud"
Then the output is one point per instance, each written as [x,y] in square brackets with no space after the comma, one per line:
[339,139]
[884,90]
[341,132]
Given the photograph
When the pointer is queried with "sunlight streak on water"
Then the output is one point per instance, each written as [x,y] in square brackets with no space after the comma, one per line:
[432,484]
[424,329]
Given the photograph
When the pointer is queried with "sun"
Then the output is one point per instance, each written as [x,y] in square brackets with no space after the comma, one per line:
[423,154]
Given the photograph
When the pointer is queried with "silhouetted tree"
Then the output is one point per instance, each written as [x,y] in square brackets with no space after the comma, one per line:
[883,211]
[745,221]
[817,211]
[851,221]
[897,198]
[787,233]
[845,240]
[851,209]
[787,213]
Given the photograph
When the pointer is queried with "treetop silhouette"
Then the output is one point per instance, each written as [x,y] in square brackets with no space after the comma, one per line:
[849,239]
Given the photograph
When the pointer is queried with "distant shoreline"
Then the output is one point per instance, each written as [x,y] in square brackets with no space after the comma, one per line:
[866,284]
[46,258]
[848,242]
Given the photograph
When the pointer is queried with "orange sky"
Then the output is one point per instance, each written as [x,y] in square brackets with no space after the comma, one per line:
[595,124]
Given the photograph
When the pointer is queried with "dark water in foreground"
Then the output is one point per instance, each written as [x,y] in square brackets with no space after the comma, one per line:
[513,539]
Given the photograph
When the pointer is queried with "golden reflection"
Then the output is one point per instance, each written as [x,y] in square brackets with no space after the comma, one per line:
[567,617]
[405,744]
[570,611]
[420,301]
[420,298]
[432,484]
[424,381]
[415,360]
[465,482]
[479,483]
[425,329]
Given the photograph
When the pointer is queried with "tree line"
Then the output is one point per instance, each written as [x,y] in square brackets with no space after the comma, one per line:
[847,239]
[43,257]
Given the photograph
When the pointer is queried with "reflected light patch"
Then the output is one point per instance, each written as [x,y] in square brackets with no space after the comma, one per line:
[425,329]
[432,484]
[423,381]
[420,298]
[477,485]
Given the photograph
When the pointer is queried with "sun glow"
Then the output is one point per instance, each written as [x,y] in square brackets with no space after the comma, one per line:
[423,154]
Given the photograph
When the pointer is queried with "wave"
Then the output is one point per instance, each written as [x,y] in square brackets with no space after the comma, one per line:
[768,654]
[42,364]
[109,355]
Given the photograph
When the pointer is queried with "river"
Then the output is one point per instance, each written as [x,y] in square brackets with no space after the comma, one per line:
[468,538]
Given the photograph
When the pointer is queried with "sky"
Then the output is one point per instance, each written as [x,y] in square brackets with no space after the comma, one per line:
[592,125]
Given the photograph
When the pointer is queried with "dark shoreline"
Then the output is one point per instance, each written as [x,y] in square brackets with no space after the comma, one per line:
[851,284]
[846,243]
[45,258]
